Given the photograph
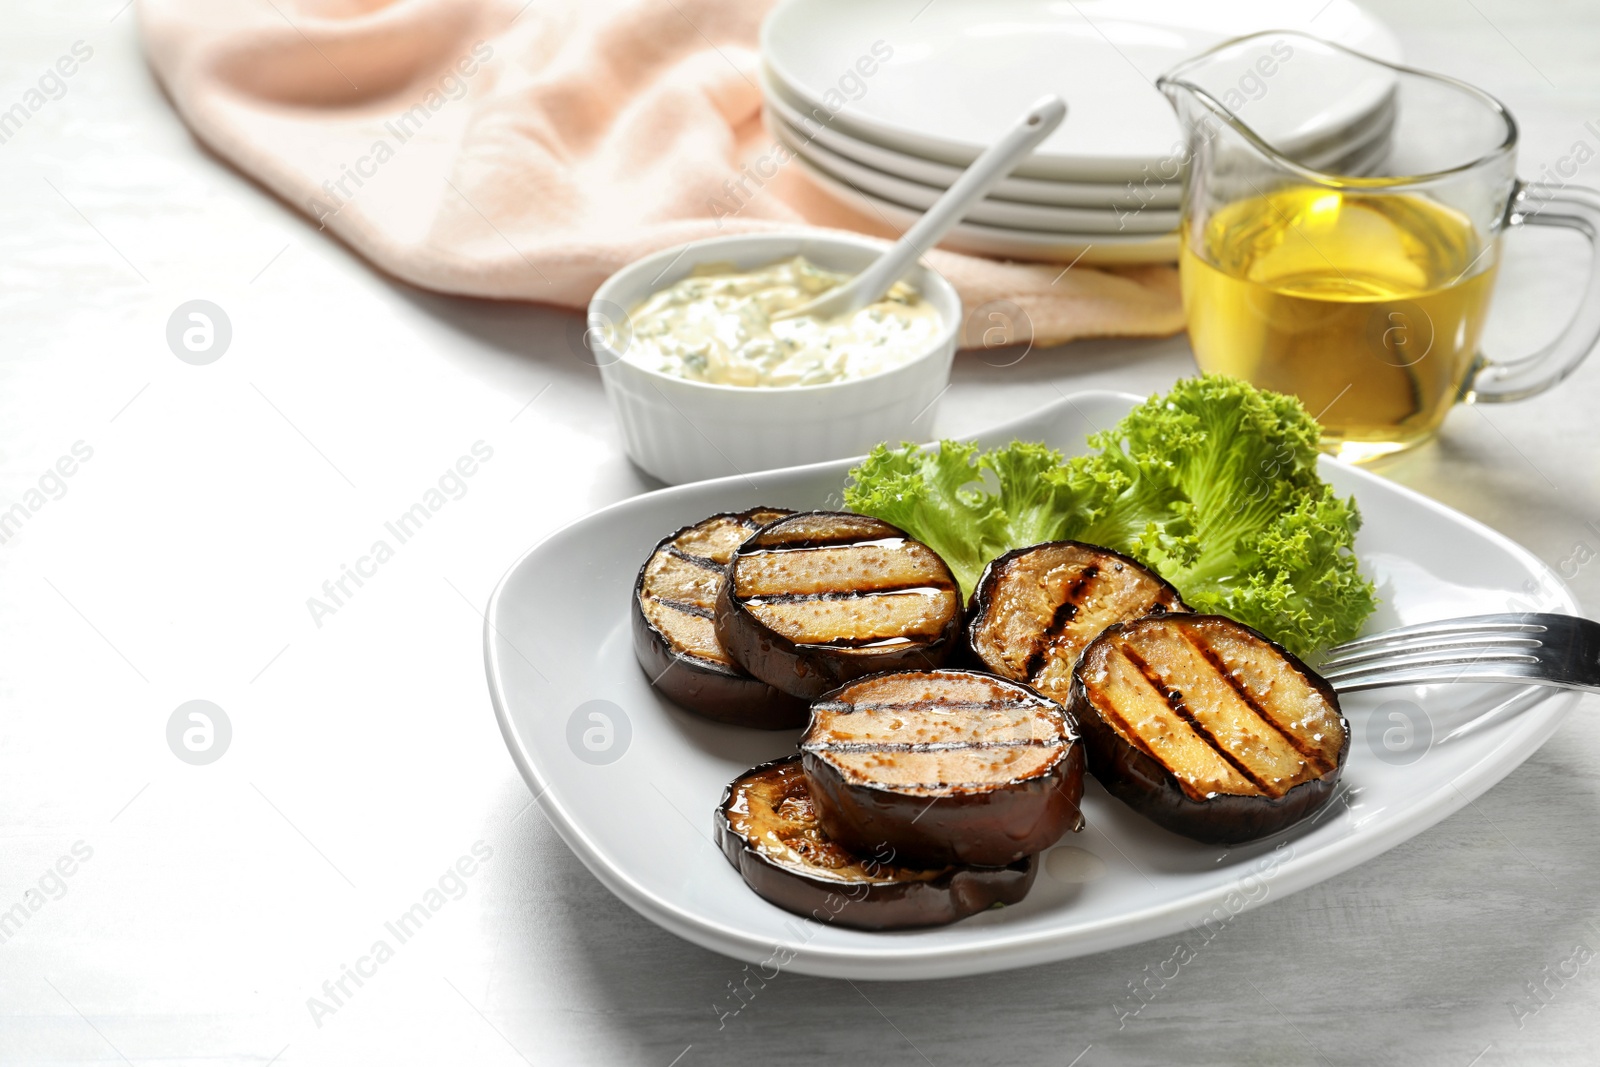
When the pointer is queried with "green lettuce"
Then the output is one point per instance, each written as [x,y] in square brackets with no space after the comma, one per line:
[1214,486]
[940,496]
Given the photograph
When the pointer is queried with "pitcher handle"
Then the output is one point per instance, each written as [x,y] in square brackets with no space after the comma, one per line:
[1575,208]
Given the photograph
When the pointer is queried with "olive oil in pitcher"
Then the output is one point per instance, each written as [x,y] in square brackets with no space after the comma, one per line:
[1367,306]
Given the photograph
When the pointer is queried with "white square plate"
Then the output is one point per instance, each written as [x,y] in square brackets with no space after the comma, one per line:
[635,799]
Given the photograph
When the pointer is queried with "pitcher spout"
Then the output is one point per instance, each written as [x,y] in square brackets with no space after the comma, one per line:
[1291,98]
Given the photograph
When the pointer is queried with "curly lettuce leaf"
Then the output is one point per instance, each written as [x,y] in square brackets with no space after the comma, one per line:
[966,506]
[1300,585]
[1214,486]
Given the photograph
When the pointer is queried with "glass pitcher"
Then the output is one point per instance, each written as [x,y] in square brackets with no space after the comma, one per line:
[1341,236]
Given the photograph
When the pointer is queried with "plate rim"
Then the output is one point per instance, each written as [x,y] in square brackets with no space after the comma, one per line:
[1048,165]
[1028,245]
[883,959]
[831,162]
[1013,188]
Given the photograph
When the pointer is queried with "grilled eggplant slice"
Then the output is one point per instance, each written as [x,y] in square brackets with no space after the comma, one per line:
[767,827]
[1036,609]
[674,635]
[1207,727]
[943,766]
[819,598]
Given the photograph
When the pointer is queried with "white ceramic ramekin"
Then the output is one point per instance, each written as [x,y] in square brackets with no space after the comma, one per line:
[682,431]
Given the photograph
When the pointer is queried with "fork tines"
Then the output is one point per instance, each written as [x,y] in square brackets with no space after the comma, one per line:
[1547,648]
[1476,627]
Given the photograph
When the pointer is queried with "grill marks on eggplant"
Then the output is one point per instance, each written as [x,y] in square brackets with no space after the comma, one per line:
[846,595]
[1194,678]
[879,566]
[820,529]
[943,766]
[768,828]
[1208,727]
[1297,702]
[674,625]
[935,734]
[854,620]
[678,589]
[1037,608]
[1179,693]
[678,596]
[1143,716]
[819,598]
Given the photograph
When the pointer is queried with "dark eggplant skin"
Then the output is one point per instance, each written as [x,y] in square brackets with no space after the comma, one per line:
[710,689]
[808,671]
[992,570]
[990,828]
[1147,787]
[951,896]
[717,691]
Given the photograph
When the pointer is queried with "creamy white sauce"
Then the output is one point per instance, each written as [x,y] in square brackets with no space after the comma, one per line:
[716,326]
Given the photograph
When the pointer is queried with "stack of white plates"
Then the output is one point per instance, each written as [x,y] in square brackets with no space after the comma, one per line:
[884,103]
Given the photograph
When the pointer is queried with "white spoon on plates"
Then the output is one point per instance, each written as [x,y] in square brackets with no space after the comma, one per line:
[995,163]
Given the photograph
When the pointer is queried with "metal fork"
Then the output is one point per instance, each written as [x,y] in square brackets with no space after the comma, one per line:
[1528,647]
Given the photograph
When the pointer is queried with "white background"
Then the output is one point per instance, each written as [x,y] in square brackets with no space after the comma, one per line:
[365,759]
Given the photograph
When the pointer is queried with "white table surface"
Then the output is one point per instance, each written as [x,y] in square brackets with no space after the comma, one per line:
[365,759]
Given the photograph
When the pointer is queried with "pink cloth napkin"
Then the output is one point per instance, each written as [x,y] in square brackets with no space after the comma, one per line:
[526,149]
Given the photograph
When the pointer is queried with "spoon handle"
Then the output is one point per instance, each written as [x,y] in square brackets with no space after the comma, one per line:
[997,161]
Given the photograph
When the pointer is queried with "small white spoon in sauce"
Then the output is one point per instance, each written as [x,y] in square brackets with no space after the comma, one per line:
[995,163]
